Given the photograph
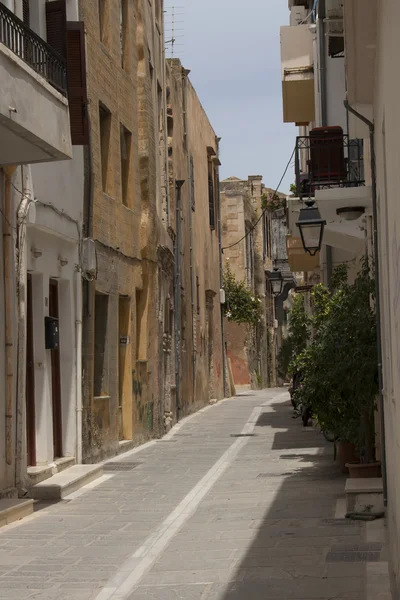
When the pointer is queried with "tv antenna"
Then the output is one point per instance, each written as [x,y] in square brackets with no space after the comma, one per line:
[173,20]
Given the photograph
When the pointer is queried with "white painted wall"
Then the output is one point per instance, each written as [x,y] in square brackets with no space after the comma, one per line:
[387,132]
[62,186]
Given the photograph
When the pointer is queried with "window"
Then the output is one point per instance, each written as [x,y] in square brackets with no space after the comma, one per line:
[211,194]
[198,295]
[125,146]
[102,19]
[68,40]
[105,138]
[158,11]
[191,176]
[123,19]
[25,12]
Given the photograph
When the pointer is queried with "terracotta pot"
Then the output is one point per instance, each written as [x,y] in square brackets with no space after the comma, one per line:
[368,470]
[346,453]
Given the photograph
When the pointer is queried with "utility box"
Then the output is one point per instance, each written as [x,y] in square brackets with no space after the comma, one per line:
[51,333]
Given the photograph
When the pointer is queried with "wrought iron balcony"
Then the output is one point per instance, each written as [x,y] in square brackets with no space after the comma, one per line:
[32,49]
[327,158]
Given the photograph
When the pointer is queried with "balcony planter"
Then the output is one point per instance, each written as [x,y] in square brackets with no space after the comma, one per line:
[346,454]
[364,470]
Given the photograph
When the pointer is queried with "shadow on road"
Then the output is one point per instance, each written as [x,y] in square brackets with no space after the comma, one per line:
[299,550]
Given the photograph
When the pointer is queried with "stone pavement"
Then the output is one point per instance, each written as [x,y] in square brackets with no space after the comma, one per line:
[239,502]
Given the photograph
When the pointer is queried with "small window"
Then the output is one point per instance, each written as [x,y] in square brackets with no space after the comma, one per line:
[198,295]
[125,145]
[123,18]
[191,175]
[105,139]
[158,11]
[211,194]
[102,19]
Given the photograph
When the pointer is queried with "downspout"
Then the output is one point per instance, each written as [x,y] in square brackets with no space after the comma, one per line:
[192,288]
[8,311]
[324,104]
[177,293]
[377,291]
[322,62]
[78,342]
[221,279]
[27,198]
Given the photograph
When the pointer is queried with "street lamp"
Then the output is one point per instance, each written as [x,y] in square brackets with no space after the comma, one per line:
[276,280]
[311,227]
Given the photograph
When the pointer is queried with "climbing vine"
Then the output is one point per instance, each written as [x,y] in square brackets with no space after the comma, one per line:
[242,305]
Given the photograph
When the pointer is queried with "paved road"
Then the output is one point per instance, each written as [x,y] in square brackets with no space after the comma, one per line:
[238,504]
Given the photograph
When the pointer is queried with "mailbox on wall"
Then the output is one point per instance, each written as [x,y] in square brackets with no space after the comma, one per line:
[51,333]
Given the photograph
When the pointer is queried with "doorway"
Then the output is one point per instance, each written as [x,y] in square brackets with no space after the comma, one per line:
[30,380]
[123,361]
[55,376]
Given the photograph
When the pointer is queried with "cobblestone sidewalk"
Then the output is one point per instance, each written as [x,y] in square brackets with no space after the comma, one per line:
[240,503]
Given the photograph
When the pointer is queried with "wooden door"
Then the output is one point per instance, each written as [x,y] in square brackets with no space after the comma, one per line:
[55,376]
[30,380]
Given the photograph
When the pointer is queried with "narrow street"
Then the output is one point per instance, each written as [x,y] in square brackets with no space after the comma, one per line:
[238,502]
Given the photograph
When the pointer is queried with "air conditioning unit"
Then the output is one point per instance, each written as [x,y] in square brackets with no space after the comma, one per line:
[298,14]
[334,27]
[334,9]
[334,17]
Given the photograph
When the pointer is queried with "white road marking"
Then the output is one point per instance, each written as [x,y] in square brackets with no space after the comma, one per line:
[134,569]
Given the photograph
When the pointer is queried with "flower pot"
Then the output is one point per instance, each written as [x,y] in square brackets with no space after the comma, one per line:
[367,470]
[346,453]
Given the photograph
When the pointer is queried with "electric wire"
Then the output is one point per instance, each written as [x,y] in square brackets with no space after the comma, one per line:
[264,210]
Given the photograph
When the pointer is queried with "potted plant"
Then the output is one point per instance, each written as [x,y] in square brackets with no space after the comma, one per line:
[340,367]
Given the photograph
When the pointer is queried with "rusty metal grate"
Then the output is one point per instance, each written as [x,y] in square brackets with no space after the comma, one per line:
[351,557]
[362,552]
[341,523]
[121,466]
[282,474]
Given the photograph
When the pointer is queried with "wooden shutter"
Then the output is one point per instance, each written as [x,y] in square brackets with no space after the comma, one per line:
[77,89]
[25,12]
[56,26]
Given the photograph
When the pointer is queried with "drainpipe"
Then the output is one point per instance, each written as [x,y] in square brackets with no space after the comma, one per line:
[324,104]
[8,311]
[78,342]
[221,279]
[322,63]
[177,300]
[192,287]
[377,291]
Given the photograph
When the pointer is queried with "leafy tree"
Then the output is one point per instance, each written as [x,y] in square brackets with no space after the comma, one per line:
[242,305]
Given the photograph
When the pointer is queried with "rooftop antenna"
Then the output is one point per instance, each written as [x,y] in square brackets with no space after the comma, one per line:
[173,17]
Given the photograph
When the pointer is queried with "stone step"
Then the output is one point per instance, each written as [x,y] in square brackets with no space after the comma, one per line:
[364,495]
[66,482]
[42,472]
[13,509]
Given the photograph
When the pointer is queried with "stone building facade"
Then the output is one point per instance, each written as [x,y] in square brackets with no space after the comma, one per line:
[250,350]
[148,355]
[195,221]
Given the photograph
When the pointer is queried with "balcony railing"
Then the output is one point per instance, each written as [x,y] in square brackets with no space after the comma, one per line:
[327,158]
[34,51]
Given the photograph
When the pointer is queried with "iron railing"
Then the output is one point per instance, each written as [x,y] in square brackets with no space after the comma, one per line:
[34,51]
[323,162]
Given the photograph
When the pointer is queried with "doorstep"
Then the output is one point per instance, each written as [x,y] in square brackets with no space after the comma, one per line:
[364,495]
[13,510]
[60,485]
[42,472]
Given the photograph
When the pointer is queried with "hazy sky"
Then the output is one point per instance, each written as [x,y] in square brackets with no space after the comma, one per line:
[232,48]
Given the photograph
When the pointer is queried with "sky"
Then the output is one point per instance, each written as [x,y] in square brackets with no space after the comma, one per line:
[232,48]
